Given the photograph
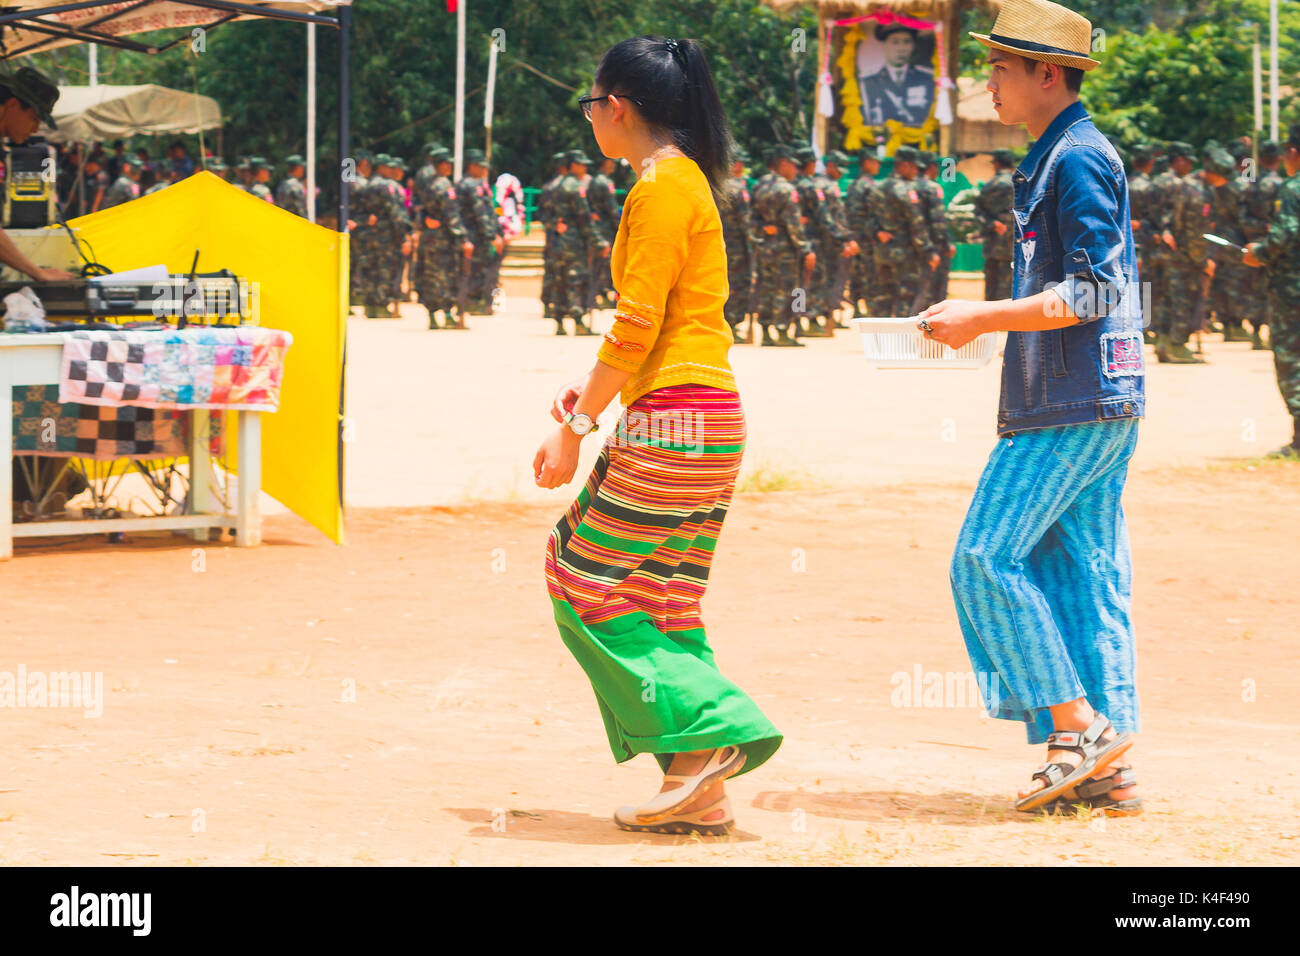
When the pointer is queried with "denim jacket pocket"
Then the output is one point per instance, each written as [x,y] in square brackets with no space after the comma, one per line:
[1033,242]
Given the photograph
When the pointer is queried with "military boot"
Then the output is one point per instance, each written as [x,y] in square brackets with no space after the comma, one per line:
[1292,450]
[1256,341]
[559,327]
[582,328]
[785,340]
[1149,336]
[737,337]
[1162,346]
[433,319]
[1182,355]
[1234,333]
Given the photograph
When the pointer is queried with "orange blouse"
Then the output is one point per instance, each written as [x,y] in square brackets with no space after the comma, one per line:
[670,269]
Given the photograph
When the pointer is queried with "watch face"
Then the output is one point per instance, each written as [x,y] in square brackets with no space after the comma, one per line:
[580,424]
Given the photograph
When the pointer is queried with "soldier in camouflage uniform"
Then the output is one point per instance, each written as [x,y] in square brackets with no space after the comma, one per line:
[782,251]
[261,178]
[820,230]
[382,259]
[125,187]
[402,246]
[546,216]
[244,175]
[605,212]
[577,245]
[1261,203]
[859,208]
[355,181]
[905,253]
[291,194]
[937,215]
[443,241]
[1142,206]
[737,229]
[1279,254]
[1184,218]
[997,231]
[478,211]
[1230,296]
[844,251]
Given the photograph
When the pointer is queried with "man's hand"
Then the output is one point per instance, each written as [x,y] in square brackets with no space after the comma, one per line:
[884,236]
[1210,266]
[467,249]
[934,261]
[810,260]
[1249,258]
[603,251]
[770,230]
[850,249]
[561,227]
[498,244]
[1167,238]
[956,322]
[1000,228]
[52,275]
[372,220]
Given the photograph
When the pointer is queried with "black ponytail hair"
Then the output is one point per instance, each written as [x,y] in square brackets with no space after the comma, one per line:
[672,80]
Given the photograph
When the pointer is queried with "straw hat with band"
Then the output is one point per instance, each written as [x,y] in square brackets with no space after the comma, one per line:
[1041,30]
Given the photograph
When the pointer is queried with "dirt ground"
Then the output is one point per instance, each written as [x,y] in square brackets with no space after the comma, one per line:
[405,698]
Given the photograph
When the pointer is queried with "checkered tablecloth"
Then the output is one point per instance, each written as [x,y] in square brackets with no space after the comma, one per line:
[198,367]
[42,425]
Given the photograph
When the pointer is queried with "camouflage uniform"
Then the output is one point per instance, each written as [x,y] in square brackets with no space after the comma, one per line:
[359,235]
[291,196]
[820,230]
[838,266]
[395,225]
[900,261]
[859,210]
[546,216]
[935,281]
[1186,215]
[442,233]
[1280,253]
[1142,197]
[1230,295]
[737,236]
[572,248]
[993,205]
[779,246]
[479,214]
[603,199]
[1261,204]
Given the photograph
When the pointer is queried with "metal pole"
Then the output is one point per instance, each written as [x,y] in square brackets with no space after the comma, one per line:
[1272,52]
[345,131]
[311,122]
[491,93]
[460,85]
[1258,74]
[94,63]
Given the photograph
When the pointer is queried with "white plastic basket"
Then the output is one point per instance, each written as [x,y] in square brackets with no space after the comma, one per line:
[897,343]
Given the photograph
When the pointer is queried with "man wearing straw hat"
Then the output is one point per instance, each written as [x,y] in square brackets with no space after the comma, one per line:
[1041,575]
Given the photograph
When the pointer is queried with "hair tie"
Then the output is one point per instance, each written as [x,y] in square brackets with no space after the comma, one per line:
[674,50]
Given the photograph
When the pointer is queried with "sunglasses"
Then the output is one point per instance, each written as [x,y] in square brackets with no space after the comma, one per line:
[586,101]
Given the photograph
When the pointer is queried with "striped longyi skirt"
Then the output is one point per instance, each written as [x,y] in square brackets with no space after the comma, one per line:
[627,565]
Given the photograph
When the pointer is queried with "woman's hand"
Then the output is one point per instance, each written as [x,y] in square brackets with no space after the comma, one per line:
[566,398]
[557,459]
[955,322]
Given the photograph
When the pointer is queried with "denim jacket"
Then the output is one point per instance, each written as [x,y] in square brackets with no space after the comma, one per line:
[1073,236]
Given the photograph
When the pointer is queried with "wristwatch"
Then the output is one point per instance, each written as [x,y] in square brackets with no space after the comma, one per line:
[580,424]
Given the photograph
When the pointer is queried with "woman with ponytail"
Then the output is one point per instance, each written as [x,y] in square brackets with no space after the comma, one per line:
[627,564]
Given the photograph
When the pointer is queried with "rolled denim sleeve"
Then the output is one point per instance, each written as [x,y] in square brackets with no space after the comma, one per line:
[1093,233]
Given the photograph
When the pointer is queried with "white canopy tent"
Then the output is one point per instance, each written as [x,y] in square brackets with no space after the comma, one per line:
[105,112]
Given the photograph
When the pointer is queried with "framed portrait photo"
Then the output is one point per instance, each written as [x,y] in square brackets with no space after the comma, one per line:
[889,70]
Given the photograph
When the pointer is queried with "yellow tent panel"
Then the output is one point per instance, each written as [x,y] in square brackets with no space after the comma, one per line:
[301,271]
